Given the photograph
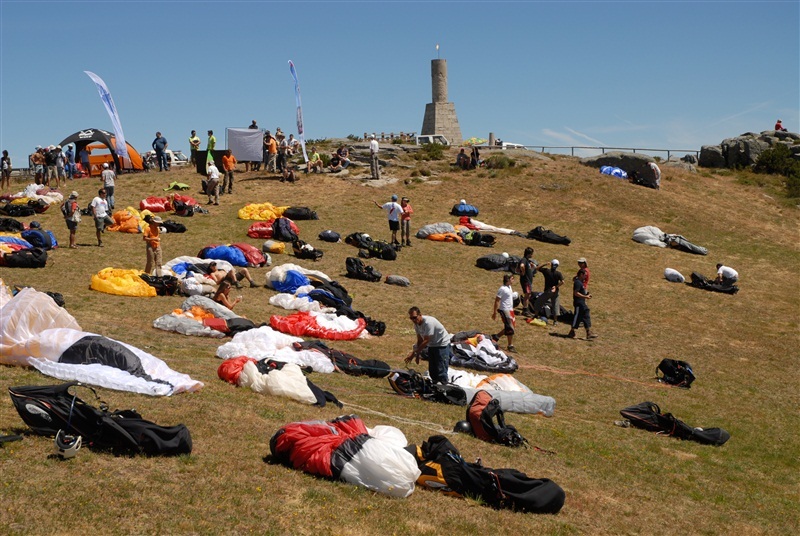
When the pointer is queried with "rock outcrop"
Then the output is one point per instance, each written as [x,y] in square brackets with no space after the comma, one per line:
[743,151]
[630,162]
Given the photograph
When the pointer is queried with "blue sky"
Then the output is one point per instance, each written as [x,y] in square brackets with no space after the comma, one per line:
[655,74]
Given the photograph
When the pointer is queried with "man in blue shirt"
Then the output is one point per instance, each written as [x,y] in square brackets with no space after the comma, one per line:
[160,146]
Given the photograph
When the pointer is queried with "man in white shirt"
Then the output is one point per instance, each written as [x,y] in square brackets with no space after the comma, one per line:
[393,212]
[109,180]
[212,188]
[504,304]
[726,275]
[374,167]
[99,207]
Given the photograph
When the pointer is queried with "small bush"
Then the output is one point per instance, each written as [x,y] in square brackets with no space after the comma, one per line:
[425,172]
[432,151]
[353,137]
[778,160]
[499,161]
[397,141]
[415,173]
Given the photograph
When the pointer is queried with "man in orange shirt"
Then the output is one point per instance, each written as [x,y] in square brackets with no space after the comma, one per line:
[272,151]
[228,167]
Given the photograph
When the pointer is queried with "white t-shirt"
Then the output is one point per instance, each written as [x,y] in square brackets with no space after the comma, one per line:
[728,272]
[393,210]
[373,146]
[213,173]
[506,296]
[108,177]
[100,207]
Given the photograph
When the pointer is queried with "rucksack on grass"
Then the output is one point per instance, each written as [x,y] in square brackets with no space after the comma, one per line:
[674,372]
[488,421]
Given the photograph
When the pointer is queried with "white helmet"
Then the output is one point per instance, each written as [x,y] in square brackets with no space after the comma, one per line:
[67,446]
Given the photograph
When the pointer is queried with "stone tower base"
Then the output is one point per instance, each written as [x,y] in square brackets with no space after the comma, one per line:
[440,118]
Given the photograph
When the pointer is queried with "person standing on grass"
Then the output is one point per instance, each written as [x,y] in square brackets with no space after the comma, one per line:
[504,304]
[405,222]
[69,154]
[271,155]
[212,187]
[99,206]
[582,312]
[374,164]
[527,271]
[84,157]
[432,335]
[160,147]
[582,265]
[5,181]
[393,212]
[109,179]
[72,216]
[553,279]
[152,240]
[194,146]
[228,167]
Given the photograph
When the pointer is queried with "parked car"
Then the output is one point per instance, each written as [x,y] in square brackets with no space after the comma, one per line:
[174,158]
[432,138]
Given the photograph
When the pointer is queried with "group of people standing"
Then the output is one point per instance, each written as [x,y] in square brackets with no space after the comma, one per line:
[100,208]
[52,164]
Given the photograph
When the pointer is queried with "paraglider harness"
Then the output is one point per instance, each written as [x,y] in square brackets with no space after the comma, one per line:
[489,424]
[674,372]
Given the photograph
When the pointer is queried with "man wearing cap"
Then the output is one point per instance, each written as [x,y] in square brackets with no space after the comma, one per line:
[212,187]
[70,166]
[72,216]
[109,180]
[393,212]
[779,126]
[374,166]
[583,266]
[552,283]
[160,145]
[153,244]
[99,206]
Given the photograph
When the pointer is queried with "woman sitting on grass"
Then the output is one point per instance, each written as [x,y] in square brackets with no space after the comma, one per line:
[222,296]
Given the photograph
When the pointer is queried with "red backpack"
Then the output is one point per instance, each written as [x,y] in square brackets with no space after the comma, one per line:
[482,413]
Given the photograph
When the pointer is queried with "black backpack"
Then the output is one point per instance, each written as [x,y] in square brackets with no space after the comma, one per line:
[174,226]
[282,230]
[329,236]
[182,209]
[300,213]
[50,408]
[482,413]
[165,285]
[443,469]
[26,258]
[356,269]
[648,416]
[410,383]
[546,235]
[303,250]
[10,225]
[17,211]
[675,372]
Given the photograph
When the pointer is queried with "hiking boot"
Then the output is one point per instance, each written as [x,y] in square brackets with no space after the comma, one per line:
[512,348]
[253,284]
[571,334]
[590,335]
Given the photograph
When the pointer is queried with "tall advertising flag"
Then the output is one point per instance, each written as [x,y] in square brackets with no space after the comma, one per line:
[121,148]
[300,134]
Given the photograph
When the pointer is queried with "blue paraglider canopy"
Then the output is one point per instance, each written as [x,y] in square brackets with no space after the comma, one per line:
[614,172]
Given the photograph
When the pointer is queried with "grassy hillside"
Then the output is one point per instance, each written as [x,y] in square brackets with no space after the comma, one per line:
[743,349]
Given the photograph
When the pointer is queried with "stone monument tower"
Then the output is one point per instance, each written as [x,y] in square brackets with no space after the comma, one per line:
[440,115]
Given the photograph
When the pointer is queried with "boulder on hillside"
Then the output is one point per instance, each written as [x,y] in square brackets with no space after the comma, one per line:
[632,163]
[744,150]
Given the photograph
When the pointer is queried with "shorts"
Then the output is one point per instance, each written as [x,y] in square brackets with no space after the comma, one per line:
[527,288]
[101,223]
[509,321]
[394,225]
[72,225]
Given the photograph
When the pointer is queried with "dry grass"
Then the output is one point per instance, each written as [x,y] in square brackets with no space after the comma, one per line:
[743,347]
